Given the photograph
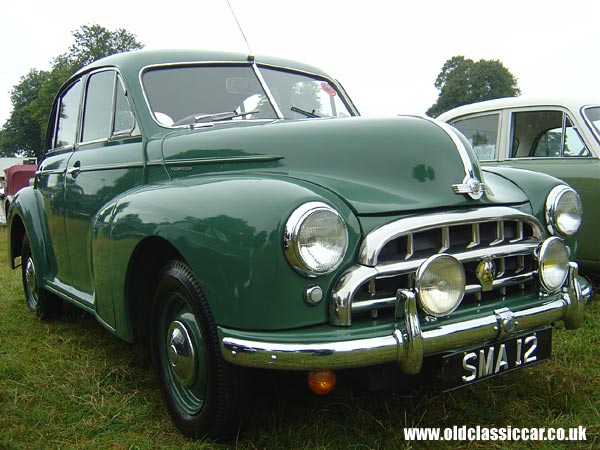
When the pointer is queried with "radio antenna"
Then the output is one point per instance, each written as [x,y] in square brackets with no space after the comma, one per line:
[240,27]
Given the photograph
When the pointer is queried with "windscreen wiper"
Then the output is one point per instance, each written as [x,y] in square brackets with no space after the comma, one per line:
[312,115]
[228,115]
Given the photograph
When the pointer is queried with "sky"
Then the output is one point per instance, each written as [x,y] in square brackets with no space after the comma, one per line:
[387,54]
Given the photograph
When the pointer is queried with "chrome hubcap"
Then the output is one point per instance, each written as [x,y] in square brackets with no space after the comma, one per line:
[181,354]
[31,280]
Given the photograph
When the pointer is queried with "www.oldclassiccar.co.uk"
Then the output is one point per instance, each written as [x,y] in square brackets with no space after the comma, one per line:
[508,433]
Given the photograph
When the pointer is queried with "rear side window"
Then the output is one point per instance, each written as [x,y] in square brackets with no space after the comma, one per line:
[482,133]
[97,114]
[545,134]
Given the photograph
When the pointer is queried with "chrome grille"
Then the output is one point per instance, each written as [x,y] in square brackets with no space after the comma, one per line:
[390,256]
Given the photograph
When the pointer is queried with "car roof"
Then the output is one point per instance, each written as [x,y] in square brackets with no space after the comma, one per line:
[134,61]
[572,103]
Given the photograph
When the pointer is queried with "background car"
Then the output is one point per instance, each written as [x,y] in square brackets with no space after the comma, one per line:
[560,137]
[16,178]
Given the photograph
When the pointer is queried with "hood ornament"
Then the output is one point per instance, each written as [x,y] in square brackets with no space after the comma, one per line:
[470,186]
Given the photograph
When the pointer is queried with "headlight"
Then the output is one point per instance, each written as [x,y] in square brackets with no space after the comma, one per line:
[440,284]
[554,264]
[563,211]
[315,239]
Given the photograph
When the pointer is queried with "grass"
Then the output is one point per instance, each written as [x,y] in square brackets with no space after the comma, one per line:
[69,384]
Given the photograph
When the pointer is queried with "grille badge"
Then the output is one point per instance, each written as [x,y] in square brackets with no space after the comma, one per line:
[486,272]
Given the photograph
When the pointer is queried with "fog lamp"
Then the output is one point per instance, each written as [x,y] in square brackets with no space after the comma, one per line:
[440,284]
[321,382]
[554,264]
[564,211]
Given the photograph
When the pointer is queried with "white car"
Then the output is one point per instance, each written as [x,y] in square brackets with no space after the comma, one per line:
[560,137]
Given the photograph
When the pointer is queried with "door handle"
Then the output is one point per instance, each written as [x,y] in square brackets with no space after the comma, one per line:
[74,169]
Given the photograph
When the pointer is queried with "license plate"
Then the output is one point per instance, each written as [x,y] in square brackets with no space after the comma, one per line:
[467,367]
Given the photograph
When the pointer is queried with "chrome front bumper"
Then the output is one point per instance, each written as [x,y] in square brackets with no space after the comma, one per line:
[408,346]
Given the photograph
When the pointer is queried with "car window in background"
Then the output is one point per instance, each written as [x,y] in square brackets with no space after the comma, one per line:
[482,133]
[545,134]
[593,115]
[66,126]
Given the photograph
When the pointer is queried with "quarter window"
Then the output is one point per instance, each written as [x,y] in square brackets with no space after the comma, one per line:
[482,133]
[66,125]
[124,120]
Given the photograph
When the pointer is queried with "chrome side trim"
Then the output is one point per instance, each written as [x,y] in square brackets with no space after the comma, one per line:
[232,159]
[407,343]
[376,240]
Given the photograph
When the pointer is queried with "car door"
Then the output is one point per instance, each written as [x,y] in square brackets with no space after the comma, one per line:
[548,140]
[50,182]
[106,161]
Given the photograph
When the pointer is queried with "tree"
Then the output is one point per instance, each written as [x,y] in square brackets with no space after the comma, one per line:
[463,81]
[24,131]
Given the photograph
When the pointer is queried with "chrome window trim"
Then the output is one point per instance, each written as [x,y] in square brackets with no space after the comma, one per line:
[267,90]
[595,131]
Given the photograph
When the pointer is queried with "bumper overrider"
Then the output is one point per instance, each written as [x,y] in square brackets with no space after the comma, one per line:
[407,343]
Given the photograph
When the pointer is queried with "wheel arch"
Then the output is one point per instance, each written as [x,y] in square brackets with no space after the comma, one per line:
[148,258]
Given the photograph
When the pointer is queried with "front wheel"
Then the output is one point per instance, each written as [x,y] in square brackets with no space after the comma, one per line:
[45,304]
[202,392]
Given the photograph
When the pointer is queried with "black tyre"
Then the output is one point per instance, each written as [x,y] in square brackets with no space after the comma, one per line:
[45,304]
[202,392]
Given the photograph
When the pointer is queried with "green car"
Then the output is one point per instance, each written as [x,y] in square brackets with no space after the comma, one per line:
[233,212]
[557,136]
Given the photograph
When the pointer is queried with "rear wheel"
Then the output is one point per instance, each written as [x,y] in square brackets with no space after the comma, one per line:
[201,390]
[40,301]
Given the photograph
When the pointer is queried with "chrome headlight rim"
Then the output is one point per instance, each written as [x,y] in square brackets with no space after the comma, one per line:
[543,254]
[556,195]
[291,242]
[419,280]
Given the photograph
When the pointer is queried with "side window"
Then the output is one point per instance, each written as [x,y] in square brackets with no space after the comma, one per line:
[545,134]
[68,112]
[482,133]
[124,119]
[97,115]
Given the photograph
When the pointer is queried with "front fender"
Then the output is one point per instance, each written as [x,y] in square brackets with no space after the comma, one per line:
[25,217]
[230,233]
